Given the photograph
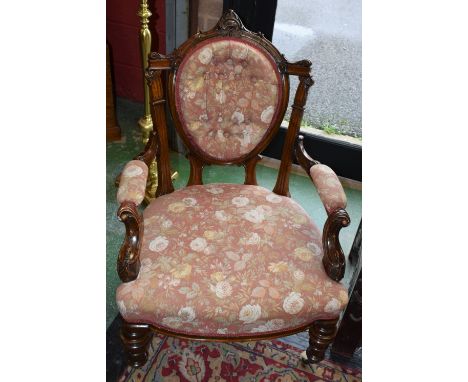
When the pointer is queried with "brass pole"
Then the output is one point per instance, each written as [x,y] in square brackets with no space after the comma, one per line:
[145,122]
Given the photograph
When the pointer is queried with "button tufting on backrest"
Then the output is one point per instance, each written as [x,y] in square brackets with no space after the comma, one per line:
[227,94]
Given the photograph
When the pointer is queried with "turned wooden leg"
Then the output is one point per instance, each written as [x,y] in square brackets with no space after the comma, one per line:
[321,334]
[136,338]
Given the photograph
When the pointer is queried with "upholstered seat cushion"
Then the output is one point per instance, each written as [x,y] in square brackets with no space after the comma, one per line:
[229,260]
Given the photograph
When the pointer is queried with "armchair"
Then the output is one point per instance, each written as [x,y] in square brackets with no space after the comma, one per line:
[228,262]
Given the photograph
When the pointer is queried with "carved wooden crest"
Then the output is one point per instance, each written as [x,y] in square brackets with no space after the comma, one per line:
[229,23]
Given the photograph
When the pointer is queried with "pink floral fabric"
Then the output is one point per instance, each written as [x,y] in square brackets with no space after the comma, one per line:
[329,187]
[229,259]
[132,184]
[227,94]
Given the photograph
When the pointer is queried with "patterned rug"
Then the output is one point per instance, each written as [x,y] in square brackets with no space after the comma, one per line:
[176,360]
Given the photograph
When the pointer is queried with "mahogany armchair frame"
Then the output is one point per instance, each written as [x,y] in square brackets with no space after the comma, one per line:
[136,337]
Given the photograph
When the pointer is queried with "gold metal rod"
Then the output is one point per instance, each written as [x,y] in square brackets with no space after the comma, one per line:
[145,122]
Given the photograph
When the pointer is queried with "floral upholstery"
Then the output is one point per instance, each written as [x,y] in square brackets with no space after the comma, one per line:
[227,96]
[329,187]
[229,260]
[133,182]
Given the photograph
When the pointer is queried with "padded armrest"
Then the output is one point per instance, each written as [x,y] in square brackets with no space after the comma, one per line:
[329,187]
[133,182]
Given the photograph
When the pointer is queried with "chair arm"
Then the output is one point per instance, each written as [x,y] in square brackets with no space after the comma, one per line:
[334,200]
[132,184]
[324,178]
[329,187]
[128,263]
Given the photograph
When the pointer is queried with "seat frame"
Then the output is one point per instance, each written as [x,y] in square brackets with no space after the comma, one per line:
[136,336]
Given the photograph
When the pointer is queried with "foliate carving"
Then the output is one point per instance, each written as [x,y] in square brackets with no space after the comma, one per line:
[333,257]
[149,75]
[156,56]
[128,263]
[230,22]
[282,65]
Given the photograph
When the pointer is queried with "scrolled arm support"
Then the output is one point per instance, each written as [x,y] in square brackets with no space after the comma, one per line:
[128,263]
[333,257]
[150,151]
[304,159]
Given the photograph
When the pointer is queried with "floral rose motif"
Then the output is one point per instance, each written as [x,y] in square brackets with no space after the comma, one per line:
[221,215]
[267,114]
[189,201]
[240,201]
[264,209]
[269,326]
[316,250]
[176,207]
[172,322]
[221,97]
[260,329]
[223,289]
[281,266]
[205,56]
[293,303]
[198,244]
[181,271]
[253,239]
[254,216]
[167,282]
[217,276]
[274,324]
[159,244]
[332,306]
[237,117]
[215,190]
[187,314]
[272,198]
[303,253]
[298,275]
[250,313]
[166,223]
[132,171]
[240,53]
[243,102]
[210,235]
